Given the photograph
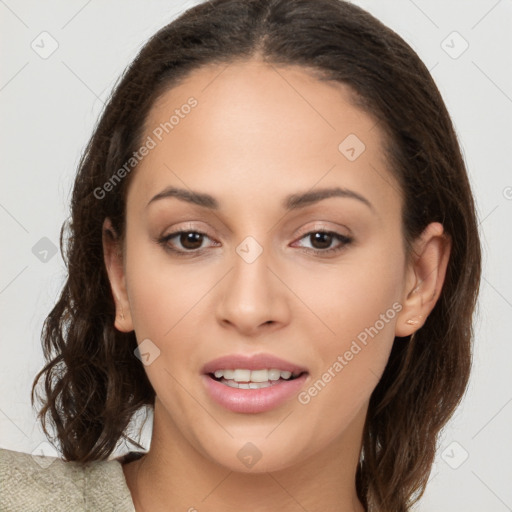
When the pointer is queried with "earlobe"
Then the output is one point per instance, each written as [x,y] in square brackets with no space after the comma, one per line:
[424,279]
[113,258]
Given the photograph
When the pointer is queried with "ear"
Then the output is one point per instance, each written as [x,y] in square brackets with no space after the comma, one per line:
[113,257]
[425,275]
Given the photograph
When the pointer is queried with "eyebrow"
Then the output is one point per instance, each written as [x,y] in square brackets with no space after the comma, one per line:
[304,199]
[205,200]
[292,202]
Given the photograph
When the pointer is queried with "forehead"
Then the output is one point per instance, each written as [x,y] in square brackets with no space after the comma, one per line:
[254,126]
[265,100]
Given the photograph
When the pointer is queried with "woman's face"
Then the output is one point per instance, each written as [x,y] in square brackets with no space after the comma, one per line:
[292,259]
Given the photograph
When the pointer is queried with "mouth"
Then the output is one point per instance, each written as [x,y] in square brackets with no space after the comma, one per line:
[253,379]
[252,384]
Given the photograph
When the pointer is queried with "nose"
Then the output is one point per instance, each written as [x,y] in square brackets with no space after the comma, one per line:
[253,299]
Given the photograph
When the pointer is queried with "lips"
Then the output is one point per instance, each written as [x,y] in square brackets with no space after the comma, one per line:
[256,362]
[252,384]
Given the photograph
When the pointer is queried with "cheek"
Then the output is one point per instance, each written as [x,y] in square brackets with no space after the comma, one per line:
[359,303]
[162,295]
[349,297]
[165,305]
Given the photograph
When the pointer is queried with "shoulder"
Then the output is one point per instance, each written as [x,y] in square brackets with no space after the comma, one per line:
[31,483]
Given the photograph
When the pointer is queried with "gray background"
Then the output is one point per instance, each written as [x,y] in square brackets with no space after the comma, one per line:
[50,104]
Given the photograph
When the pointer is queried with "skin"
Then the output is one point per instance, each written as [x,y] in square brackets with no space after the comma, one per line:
[258,134]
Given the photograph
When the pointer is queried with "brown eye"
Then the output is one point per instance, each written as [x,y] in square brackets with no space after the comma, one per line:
[324,242]
[321,240]
[186,242]
[191,240]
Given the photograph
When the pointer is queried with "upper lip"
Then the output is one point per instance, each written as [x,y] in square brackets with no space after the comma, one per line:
[251,362]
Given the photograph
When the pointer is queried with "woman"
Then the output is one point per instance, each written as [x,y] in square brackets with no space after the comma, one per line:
[273,245]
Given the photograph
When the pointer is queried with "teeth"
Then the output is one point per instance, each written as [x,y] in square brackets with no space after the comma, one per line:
[258,385]
[274,374]
[252,377]
[246,385]
[259,376]
[241,376]
[228,374]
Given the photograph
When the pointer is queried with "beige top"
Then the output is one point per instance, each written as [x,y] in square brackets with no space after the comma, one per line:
[47,484]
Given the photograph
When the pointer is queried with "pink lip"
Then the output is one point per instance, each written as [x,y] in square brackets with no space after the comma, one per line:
[252,401]
[255,362]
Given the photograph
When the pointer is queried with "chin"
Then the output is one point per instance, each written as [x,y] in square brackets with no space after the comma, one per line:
[258,454]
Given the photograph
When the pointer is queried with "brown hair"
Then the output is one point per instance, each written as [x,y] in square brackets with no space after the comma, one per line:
[93,383]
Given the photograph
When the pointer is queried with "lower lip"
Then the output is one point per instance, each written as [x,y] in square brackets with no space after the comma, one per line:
[251,401]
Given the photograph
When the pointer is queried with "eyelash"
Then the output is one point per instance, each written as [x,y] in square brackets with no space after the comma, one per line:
[343,239]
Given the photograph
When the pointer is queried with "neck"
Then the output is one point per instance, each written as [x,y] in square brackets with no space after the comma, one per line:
[174,476]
